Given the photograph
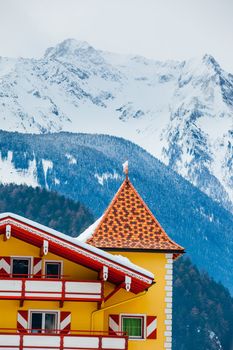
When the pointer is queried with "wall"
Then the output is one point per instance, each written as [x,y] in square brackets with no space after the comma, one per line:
[81,311]
[154,302]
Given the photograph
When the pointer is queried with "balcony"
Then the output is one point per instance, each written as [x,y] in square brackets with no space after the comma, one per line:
[49,289]
[76,340]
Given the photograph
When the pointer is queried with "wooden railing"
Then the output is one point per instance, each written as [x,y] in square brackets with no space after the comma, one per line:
[56,340]
[50,289]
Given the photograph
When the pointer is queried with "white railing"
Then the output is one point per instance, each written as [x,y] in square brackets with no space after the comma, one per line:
[48,289]
[72,341]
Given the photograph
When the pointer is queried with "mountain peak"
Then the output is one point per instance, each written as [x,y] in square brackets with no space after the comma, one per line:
[211,61]
[69,47]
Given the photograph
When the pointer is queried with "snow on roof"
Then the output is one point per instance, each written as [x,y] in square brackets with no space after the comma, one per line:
[85,235]
[117,259]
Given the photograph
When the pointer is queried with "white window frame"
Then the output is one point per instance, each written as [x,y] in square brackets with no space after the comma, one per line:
[52,261]
[142,316]
[39,311]
[30,258]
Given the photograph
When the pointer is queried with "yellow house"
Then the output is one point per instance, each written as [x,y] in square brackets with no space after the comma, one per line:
[110,288]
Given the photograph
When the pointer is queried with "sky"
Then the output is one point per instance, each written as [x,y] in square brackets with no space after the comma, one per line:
[160,29]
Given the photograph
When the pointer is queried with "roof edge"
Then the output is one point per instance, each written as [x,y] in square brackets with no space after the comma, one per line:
[79,244]
[142,250]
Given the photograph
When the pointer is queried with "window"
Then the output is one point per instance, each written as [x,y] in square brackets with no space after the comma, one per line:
[21,267]
[133,326]
[52,269]
[44,322]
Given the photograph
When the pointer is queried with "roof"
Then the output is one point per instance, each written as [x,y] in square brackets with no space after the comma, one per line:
[77,251]
[129,224]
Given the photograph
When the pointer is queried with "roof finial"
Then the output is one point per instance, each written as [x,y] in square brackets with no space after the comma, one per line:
[126,168]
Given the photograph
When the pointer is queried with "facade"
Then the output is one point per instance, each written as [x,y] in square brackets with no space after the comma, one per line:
[110,288]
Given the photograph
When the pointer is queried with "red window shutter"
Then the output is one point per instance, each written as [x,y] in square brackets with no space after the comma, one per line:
[151,327]
[37,267]
[5,266]
[65,322]
[114,324]
[22,321]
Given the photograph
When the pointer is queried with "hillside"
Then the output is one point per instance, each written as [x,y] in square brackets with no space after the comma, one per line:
[203,309]
[88,168]
[47,208]
[181,112]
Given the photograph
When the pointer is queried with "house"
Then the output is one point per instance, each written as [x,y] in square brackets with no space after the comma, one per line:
[110,288]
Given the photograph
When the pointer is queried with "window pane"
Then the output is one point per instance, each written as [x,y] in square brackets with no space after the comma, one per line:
[20,268]
[132,326]
[36,322]
[53,270]
[50,323]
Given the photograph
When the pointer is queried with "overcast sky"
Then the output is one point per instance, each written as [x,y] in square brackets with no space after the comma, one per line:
[161,29]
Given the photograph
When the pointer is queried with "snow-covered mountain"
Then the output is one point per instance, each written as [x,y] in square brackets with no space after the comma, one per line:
[181,112]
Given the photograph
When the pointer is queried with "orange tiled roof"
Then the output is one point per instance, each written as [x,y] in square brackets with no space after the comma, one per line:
[129,224]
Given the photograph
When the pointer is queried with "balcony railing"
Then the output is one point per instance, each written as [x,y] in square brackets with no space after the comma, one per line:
[75,340]
[49,289]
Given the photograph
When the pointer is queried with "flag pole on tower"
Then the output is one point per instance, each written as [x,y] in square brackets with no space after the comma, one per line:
[126,169]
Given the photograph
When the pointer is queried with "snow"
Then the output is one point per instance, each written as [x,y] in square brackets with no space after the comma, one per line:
[155,104]
[10,174]
[47,164]
[216,127]
[72,159]
[7,65]
[85,235]
[57,181]
[106,176]
[214,338]
[78,243]
[88,233]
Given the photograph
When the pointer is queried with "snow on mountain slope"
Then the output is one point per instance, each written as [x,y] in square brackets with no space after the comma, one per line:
[10,174]
[181,112]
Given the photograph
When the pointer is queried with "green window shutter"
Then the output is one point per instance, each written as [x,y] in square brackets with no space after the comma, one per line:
[133,326]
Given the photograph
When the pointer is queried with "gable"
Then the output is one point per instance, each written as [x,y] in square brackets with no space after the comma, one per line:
[15,247]
[74,251]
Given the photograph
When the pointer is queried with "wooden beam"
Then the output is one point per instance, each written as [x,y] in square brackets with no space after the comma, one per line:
[22,293]
[114,291]
[103,274]
[61,303]
[45,248]
[7,233]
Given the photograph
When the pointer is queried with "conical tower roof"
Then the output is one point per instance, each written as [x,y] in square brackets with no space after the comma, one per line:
[128,224]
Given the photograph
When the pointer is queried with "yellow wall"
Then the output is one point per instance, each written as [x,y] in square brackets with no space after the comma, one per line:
[16,247]
[80,311]
[151,303]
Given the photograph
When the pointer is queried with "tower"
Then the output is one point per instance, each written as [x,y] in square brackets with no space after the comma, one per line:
[128,228]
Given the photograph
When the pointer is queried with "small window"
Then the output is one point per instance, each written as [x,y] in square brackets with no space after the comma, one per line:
[21,267]
[52,269]
[133,326]
[44,322]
